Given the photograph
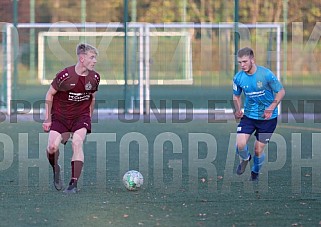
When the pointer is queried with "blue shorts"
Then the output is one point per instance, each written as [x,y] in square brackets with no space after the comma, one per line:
[263,128]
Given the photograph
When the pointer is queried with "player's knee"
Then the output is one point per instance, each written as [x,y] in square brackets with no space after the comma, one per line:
[77,145]
[258,152]
[241,146]
[52,149]
[259,149]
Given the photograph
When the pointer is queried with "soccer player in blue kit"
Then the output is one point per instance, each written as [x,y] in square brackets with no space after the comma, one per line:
[263,92]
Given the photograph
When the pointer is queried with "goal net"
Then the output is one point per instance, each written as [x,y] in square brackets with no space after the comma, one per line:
[170,55]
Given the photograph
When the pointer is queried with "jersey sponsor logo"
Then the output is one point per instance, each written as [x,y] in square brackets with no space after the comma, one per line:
[255,94]
[78,97]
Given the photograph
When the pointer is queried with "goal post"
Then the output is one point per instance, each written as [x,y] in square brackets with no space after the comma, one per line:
[172,63]
[52,58]
[254,35]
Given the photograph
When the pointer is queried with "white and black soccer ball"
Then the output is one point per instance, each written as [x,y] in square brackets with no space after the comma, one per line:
[133,180]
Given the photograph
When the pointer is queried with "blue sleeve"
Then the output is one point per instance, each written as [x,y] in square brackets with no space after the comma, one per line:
[237,90]
[274,83]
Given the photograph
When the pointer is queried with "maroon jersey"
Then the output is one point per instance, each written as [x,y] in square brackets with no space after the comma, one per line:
[74,93]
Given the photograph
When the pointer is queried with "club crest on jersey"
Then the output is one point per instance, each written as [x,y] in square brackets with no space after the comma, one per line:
[88,86]
[259,84]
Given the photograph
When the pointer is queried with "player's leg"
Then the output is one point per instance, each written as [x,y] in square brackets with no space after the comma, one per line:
[243,152]
[80,128]
[258,159]
[54,140]
[77,159]
[241,146]
[263,134]
[52,151]
[244,131]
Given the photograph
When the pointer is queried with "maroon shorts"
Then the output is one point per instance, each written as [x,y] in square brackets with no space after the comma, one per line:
[65,126]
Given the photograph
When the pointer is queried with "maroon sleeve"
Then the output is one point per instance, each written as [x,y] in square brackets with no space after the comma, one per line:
[97,77]
[59,79]
[96,81]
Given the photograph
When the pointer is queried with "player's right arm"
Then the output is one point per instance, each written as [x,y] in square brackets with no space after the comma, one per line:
[48,105]
[237,101]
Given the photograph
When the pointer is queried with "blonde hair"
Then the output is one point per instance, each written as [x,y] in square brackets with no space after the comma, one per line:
[83,48]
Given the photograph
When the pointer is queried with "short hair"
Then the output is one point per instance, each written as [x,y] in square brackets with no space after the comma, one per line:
[83,48]
[246,51]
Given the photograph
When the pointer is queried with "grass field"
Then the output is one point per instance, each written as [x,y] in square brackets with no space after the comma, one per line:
[188,170]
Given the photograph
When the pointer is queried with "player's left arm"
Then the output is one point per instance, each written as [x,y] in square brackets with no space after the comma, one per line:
[92,104]
[280,93]
[93,95]
[277,99]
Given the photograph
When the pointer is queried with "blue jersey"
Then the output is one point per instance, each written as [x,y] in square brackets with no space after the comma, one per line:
[259,89]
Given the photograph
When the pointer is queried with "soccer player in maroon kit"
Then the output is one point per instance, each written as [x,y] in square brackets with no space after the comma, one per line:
[69,107]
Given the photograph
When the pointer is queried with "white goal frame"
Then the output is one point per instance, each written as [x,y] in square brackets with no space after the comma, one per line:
[144,51]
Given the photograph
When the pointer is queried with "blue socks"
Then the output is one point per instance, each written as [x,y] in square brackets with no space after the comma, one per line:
[258,162]
[244,154]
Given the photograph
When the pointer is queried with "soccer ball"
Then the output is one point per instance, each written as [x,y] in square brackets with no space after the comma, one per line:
[133,180]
